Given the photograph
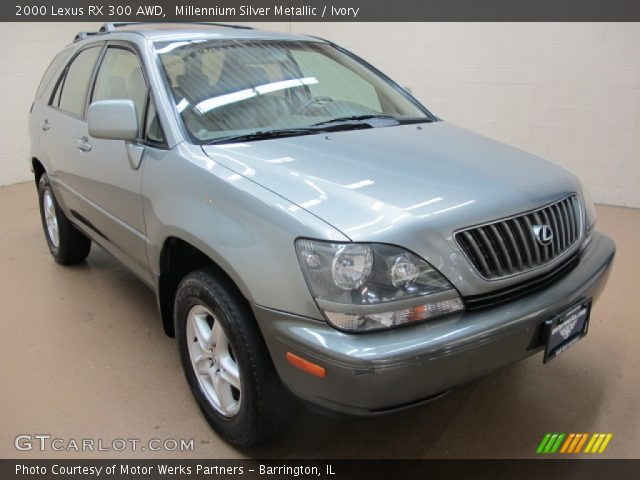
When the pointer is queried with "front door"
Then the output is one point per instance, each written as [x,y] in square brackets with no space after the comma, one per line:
[109,173]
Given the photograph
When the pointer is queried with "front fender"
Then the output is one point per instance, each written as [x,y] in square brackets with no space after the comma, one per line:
[247,230]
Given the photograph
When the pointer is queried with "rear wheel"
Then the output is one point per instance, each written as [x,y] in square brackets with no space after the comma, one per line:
[66,243]
[227,364]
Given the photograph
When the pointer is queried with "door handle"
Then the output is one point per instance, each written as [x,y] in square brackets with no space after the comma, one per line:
[45,125]
[83,144]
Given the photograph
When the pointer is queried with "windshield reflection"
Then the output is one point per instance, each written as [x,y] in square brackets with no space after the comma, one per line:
[219,101]
[226,88]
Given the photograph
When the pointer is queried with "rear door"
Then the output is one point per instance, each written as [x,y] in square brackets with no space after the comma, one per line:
[109,176]
[40,104]
[59,122]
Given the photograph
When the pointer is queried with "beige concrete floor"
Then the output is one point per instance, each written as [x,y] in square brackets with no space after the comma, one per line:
[82,355]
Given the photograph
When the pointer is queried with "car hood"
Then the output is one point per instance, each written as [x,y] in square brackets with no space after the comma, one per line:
[368,183]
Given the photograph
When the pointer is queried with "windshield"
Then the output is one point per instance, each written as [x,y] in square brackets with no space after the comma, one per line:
[233,88]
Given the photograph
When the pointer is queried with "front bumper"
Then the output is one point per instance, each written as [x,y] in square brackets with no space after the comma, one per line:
[374,373]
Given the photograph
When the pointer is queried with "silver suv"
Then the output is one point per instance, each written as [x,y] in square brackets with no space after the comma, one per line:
[312,232]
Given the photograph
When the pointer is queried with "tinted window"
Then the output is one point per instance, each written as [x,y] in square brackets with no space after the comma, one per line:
[226,88]
[336,81]
[153,130]
[76,82]
[120,77]
[55,64]
[56,97]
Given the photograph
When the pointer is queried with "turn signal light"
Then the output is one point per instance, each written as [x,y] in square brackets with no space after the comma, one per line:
[306,365]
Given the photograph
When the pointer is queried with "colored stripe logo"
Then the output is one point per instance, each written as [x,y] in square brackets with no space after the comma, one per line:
[574,443]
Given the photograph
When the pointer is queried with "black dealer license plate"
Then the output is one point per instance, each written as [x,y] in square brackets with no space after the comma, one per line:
[564,330]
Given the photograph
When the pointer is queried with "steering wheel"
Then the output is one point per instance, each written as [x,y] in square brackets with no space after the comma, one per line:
[312,101]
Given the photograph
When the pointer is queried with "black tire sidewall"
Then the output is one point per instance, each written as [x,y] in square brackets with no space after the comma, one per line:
[73,245]
[43,186]
[241,428]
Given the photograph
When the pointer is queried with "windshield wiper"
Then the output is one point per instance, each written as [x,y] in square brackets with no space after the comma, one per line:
[287,132]
[264,135]
[356,118]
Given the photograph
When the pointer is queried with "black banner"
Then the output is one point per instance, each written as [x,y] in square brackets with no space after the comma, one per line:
[324,469]
[323,10]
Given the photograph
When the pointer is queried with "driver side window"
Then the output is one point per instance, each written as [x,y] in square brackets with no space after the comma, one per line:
[120,77]
[340,84]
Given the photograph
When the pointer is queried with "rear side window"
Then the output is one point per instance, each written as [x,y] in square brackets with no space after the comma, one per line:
[55,64]
[72,90]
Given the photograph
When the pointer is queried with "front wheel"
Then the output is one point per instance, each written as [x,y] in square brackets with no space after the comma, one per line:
[226,362]
[67,244]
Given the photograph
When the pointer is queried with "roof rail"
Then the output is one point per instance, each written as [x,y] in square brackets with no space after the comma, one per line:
[112,26]
[82,35]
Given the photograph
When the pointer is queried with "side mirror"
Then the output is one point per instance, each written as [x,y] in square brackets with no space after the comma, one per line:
[113,120]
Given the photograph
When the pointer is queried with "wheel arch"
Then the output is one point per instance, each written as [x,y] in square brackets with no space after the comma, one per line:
[38,169]
[177,259]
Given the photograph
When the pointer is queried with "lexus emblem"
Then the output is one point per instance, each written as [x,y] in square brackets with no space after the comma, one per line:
[543,234]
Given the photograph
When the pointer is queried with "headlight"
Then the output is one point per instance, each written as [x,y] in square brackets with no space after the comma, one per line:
[369,286]
[589,209]
[589,216]
[351,266]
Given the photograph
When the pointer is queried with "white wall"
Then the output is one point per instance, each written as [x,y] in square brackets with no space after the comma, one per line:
[567,91]
[27,49]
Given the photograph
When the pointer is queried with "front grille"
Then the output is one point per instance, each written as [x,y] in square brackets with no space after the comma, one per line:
[511,246]
[513,292]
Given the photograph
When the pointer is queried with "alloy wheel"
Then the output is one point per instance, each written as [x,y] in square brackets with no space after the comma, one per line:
[213,361]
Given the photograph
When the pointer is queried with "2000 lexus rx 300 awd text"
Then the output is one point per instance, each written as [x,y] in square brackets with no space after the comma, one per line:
[312,232]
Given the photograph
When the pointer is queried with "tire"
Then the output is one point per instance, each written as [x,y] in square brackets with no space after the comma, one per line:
[226,362]
[67,244]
